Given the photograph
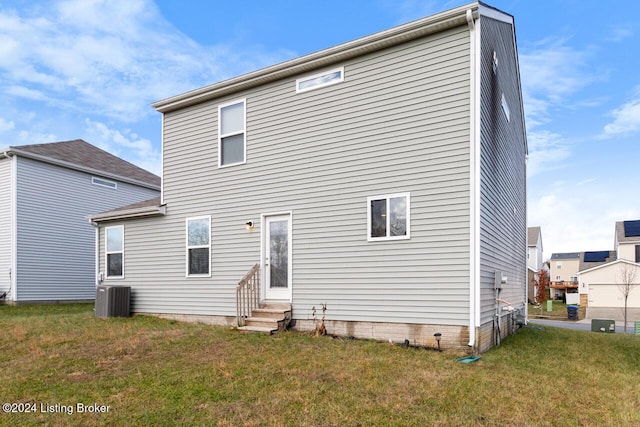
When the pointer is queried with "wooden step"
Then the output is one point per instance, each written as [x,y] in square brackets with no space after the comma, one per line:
[269,318]
[268,322]
[273,313]
[260,329]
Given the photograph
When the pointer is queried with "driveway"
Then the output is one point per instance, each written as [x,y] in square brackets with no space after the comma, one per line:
[583,325]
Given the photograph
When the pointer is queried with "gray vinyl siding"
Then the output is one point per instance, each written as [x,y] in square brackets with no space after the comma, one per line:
[55,242]
[503,230]
[398,123]
[5,224]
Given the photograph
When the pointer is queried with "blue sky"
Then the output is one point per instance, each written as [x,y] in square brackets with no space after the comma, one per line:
[89,69]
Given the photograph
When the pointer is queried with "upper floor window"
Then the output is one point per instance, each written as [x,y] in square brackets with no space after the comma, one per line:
[320,80]
[388,217]
[198,246]
[114,250]
[505,108]
[103,182]
[637,253]
[231,133]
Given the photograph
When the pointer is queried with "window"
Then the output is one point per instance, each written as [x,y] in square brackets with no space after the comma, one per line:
[103,182]
[320,80]
[505,108]
[231,133]
[637,253]
[114,249]
[559,266]
[198,246]
[388,217]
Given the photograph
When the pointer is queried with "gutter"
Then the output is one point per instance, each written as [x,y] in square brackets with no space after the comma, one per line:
[342,52]
[128,213]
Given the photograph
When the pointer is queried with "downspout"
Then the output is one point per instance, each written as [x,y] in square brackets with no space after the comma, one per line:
[96,252]
[12,293]
[474,284]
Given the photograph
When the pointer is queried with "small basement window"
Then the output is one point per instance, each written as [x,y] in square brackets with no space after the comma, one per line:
[320,80]
[103,182]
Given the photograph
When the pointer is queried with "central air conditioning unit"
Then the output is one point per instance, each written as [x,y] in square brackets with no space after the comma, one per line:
[113,301]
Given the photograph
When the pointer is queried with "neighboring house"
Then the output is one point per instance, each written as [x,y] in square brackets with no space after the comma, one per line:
[602,284]
[384,177]
[47,247]
[563,273]
[534,260]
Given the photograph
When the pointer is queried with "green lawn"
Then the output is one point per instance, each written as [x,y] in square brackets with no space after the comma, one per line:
[150,371]
[558,312]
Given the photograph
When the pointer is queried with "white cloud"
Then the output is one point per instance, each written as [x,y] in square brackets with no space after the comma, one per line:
[620,33]
[547,151]
[626,119]
[125,144]
[552,72]
[588,215]
[110,57]
[6,125]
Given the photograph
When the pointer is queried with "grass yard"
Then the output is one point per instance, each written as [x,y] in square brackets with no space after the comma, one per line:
[559,310]
[150,371]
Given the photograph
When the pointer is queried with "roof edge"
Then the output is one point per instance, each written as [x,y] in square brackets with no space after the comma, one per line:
[399,34]
[607,264]
[16,151]
[144,211]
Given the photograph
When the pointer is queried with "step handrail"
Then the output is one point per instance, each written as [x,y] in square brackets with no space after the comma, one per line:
[248,294]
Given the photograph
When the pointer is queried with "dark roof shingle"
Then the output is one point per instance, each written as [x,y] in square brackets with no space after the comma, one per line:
[80,153]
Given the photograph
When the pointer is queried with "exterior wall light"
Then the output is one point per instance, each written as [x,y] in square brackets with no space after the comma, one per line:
[248,225]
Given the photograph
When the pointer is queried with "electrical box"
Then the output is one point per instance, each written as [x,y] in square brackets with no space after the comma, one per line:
[113,301]
[603,325]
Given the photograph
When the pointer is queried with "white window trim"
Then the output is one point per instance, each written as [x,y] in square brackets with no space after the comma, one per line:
[505,108]
[187,247]
[221,135]
[387,197]
[107,252]
[104,183]
[318,86]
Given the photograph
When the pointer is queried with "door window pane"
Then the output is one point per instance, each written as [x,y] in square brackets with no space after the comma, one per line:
[278,254]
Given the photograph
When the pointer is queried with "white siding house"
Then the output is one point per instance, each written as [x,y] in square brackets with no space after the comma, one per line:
[47,247]
[384,177]
[603,285]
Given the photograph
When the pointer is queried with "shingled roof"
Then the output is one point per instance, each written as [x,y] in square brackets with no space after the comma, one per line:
[79,154]
[533,234]
[622,234]
[149,207]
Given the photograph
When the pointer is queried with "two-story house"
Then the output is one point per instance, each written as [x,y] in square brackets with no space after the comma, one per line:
[383,178]
[47,247]
[534,260]
[563,273]
[603,285]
